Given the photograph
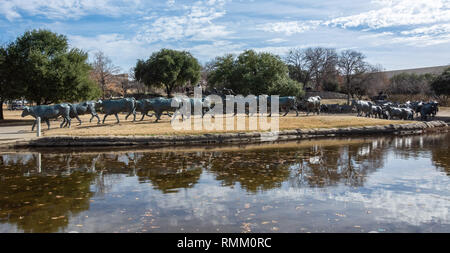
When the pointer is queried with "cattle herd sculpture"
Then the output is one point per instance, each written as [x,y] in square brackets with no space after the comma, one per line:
[161,105]
[392,110]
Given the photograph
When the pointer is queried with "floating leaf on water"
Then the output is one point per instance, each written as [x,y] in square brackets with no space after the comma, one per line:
[59,197]
[357,226]
[275,229]
[247,205]
[340,215]
[265,222]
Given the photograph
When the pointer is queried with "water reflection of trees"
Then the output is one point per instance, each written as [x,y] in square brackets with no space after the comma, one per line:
[170,171]
[254,171]
[329,165]
[440,154]
[41,202]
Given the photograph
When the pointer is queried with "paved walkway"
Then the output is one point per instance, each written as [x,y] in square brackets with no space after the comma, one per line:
[14,133]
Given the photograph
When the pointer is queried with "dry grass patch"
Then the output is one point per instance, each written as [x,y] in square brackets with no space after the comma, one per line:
[334,101]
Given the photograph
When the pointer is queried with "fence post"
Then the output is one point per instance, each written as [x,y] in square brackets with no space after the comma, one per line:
[38,126]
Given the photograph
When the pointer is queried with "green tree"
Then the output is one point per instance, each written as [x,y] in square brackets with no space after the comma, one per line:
[251,73]
[286,87]
[410,84]
[441,84]
[47,71]
[7,88]
[169,69]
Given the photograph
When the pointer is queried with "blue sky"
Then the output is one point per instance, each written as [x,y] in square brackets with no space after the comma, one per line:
[397,34]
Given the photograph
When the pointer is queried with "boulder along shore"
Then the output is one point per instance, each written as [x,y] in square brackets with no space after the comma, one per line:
[218,138]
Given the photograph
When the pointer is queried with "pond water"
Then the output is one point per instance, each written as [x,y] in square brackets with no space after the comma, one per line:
[385,184]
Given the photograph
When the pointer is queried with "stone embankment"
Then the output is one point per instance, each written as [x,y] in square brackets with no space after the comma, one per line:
[218,138]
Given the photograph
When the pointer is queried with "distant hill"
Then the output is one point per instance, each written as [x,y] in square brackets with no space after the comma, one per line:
[418,71]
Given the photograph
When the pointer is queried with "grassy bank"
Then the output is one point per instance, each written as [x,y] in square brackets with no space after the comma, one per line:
[164,127]
[148,127]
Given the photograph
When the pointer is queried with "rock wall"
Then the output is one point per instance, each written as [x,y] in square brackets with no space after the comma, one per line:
[248,137]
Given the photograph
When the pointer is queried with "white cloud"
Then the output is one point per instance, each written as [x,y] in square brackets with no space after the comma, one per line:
[434,29]
[433,17]
[119,48]
[208,51]
[67,9]
[422,40]
[397,13]
[195,24]
[289,27]
[170,3]
[276,40]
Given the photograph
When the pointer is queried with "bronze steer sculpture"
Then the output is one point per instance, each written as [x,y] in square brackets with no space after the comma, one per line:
[362,107]
[429,109]
[376,111]
[158,105]
[312,104]
[120,105]
[81,109]
[288,103]
[46,112]
[395,112]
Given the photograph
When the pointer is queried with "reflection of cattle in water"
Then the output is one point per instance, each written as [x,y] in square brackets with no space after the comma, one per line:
[47,112]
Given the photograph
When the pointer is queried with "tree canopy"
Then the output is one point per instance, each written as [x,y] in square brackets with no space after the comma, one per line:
[441,84]
[410,84]
[44,70]
[169,69]
[253,73]
[355,70]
